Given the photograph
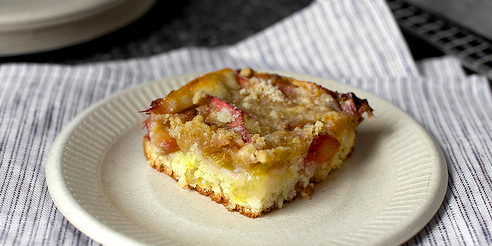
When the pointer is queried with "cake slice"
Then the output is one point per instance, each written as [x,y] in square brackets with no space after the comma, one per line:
[251,140]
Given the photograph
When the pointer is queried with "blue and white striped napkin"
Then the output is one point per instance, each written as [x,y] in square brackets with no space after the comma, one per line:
[354,42]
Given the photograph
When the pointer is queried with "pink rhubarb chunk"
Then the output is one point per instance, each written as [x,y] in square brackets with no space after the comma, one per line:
[237,124]
[322,149]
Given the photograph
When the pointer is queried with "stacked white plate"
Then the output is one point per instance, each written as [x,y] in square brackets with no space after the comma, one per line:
[31,26]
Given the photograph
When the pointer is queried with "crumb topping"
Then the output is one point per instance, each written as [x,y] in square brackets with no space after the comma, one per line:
[262,89]
[257,121]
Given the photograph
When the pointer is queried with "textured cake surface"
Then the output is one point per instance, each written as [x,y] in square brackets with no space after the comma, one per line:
[251,140]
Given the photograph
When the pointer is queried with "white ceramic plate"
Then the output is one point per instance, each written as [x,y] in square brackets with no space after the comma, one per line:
[384,194]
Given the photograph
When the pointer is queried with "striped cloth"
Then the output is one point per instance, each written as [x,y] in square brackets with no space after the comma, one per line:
[355,42]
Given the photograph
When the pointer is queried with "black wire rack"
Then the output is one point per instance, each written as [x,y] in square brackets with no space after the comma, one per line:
[474,51]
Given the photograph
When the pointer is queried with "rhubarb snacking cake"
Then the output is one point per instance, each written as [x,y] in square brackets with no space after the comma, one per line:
[251,140]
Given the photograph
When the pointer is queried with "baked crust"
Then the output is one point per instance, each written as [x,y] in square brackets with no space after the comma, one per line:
[251,141]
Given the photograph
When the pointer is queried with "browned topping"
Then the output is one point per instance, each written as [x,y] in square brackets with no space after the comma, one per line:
[231,109]
[351,104]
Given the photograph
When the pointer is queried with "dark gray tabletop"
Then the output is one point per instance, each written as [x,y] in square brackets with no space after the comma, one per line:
[205,23]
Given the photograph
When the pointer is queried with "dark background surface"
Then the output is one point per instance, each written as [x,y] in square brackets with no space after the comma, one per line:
[205,23]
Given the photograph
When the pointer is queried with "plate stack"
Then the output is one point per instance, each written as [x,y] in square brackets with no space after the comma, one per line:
[31,26]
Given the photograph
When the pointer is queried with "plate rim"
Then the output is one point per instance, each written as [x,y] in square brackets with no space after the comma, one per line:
[74,212]
[64,200]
